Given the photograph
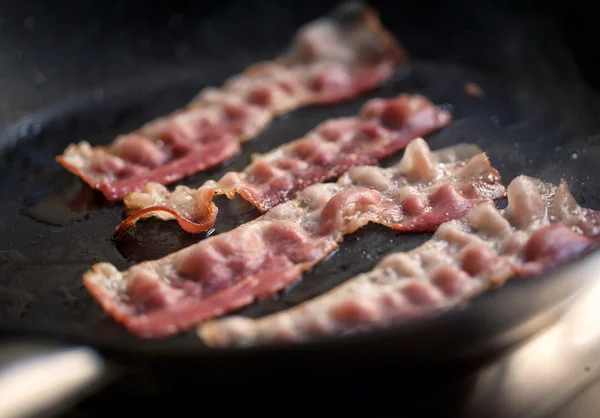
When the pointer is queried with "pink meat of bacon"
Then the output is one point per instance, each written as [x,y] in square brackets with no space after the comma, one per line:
[542,227]
[332,59]
[382,128]
[230,270]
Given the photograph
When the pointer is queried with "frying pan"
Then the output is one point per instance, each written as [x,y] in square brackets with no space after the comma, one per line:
[538,117]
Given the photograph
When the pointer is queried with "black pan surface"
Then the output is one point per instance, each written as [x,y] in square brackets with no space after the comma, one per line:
[537,117]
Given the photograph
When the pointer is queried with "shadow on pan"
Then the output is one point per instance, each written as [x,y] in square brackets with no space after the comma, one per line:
[537,117]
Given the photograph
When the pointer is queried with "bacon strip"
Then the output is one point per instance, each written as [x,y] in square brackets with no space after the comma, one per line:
[331,59]
[542,227]
[382,128]
[230,270]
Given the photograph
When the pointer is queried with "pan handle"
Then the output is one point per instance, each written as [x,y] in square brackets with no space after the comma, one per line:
[42,378]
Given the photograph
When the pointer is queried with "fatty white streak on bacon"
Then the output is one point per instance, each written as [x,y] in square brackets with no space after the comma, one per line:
[332,59]
[542,227]
[382,128]
[254,261]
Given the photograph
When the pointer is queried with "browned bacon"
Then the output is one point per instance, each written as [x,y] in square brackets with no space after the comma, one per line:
[331,59]
[382,128]
[230,270]
[541,228]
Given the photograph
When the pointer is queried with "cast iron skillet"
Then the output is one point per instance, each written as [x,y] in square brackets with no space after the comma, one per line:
[537,117]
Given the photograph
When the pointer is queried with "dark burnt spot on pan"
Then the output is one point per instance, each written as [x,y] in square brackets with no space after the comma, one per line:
[14,302]
[501,203]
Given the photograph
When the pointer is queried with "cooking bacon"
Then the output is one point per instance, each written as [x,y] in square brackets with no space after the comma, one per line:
[230,270]
[542,227]
[331,59]
[382,128]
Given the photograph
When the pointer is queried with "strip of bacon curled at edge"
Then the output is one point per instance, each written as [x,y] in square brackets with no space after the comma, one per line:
[383,127]
[254,261]
[541,228]
[331,59]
